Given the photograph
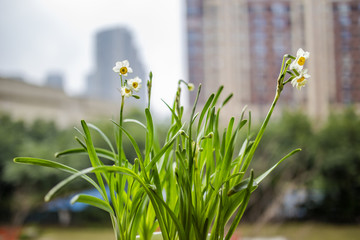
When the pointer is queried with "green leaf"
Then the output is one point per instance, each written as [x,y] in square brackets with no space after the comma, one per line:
[90,146]
[133,142]
[178,122]
[241,187]
[229,131]
[81,142]
[177,223]
[235,175]
[205,110]
[194,106]
[265,174]
[82,173]
[52,164]
[137,212]
[94,159]
[100,152]
[149,134]
[44,163]
[103,135]
[227,100]
[135,121]
[93,201]
[166,146]
[241,210]
[230,145]
[217,95]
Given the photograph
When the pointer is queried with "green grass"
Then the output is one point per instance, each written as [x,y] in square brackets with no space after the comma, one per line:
[95,233]
[303,231]
[292,231]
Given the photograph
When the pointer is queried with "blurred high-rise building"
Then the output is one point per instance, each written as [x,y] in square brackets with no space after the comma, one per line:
[346,19]
[112,45]
[195,40]
[240,44]
[55,80]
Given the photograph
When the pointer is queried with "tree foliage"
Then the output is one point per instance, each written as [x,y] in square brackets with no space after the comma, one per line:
[329,164]
[338,164]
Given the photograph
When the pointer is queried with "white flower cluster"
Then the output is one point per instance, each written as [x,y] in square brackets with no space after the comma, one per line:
[130,85]
[298,67]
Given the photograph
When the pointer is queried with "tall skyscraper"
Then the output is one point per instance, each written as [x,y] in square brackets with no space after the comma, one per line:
[270,39]
[346,18]
[116,44]
[243,42]
[195,43]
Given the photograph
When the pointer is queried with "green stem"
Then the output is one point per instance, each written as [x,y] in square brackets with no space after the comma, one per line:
[149,86]
[119,177]
[119,162]
[263,126]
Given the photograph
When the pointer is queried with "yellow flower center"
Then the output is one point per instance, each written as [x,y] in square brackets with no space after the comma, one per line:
[123,70]
[300,79]
[301,61]
[127,90]
[135,85]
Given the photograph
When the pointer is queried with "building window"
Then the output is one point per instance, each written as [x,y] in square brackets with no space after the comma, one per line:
[344,8]
[257,8]
[279,9]
[345,21]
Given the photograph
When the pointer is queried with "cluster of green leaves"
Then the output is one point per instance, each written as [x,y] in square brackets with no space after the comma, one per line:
[211,189]
[133,203]
[192,185]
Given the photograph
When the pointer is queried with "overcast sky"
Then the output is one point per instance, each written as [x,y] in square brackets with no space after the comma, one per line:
[38,37]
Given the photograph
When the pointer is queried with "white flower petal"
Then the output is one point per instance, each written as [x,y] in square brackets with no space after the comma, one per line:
[125,63]
[126,92]
[303,76]
[116,69]
[292,65]
[299,52]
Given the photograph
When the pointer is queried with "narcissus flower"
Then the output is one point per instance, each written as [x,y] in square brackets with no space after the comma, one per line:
[134,84]
[126,92]
[300,80]
[122,68]
[299,62]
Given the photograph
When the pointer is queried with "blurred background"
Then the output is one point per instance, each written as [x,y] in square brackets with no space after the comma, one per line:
[56,60]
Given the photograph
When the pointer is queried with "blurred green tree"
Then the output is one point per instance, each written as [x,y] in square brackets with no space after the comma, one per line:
[10,138]
[338,163]
[292,130]
[22,188]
